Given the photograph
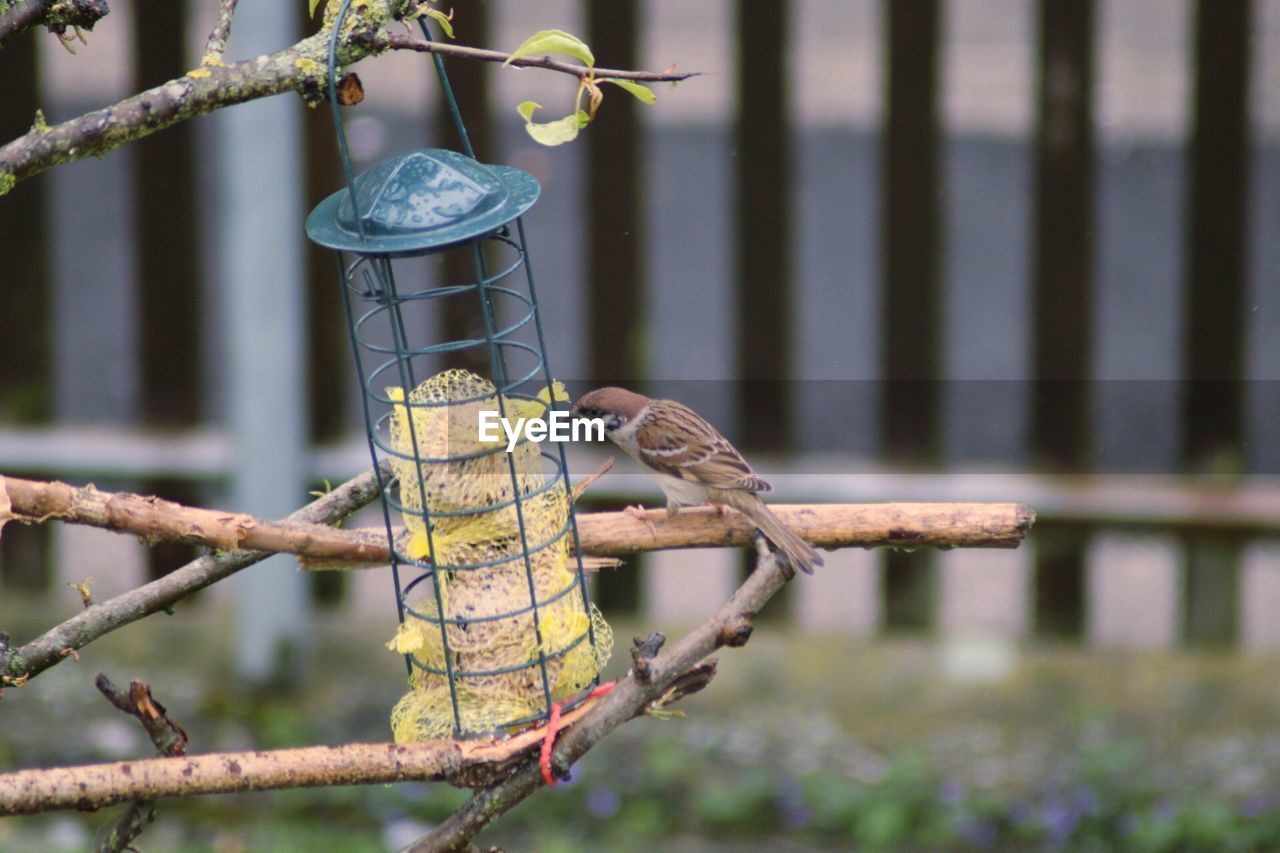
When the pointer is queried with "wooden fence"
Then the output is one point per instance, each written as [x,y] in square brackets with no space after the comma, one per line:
[887,244]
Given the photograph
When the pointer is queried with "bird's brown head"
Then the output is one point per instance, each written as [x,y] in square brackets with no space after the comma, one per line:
[614,406]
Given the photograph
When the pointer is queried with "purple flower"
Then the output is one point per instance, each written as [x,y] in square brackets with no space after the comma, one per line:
[795,812]
[603,802]
[1059,818]
[951,792]
[1255,805]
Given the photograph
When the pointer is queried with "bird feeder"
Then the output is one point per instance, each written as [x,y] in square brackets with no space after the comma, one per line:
[496,623]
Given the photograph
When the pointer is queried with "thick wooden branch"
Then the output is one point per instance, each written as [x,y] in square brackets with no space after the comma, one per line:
[902,525]
[57,15]
[470,763]
[154,519]
[18,665]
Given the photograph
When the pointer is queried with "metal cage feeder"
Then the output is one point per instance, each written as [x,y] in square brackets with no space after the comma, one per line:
[496,621]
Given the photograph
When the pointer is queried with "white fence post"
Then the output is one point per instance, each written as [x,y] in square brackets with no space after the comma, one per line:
[844,596]
[1260,597]
[1134,590]
[683,588]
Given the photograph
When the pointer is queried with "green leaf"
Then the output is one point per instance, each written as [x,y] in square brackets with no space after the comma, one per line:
[555,132]
[442,19]
[643,93]
[554,41]
[526,109]
[312,4]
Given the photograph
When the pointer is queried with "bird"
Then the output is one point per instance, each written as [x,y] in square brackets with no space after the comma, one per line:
[693,463]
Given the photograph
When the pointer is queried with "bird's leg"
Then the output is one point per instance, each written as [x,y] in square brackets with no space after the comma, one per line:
[640,513]
[673,509]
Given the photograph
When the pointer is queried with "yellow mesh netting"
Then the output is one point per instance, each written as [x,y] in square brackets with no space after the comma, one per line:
[482,637]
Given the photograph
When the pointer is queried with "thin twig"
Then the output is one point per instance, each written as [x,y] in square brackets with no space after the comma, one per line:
[586,482]
[400,41]
[169,739]
[167,736]
[18,665]
[217,42]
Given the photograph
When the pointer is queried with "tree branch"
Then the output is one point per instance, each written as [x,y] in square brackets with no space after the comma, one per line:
[631,696]
[908,525]
[213,85]
[153,519]
[900,525]
[217,42]
[57,15]
[465,762]
[401,41]
[207,88]
[18,665]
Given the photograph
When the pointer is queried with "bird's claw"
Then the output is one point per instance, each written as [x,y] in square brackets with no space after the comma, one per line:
[641,514]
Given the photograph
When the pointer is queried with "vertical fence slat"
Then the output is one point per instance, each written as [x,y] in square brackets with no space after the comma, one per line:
[166,255]
[1216,234]
[617,247]
[330,384]
[1216,284]
[25,309]
[911,307]
[1062,284]
[614,201]
[470,83]
[764,174]
[911,310]
[1062,260]
[166,248]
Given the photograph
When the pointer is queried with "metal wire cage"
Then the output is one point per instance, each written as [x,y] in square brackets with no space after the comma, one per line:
[496,621]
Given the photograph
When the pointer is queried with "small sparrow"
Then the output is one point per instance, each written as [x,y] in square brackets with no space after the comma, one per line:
[693,463]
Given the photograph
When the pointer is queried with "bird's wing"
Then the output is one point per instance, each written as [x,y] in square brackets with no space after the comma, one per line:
[686,446]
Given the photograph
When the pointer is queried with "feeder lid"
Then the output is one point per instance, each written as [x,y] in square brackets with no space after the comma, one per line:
[422,199]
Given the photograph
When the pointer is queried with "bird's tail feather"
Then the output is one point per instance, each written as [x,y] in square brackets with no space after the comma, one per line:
[798,552]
